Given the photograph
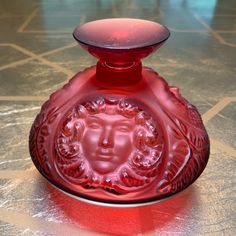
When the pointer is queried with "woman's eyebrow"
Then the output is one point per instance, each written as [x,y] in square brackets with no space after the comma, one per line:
[123,122]
[93,118]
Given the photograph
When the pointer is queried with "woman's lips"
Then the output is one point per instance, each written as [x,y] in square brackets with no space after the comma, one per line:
[104,154]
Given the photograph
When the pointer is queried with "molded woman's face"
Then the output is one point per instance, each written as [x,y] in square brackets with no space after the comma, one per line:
[107,141]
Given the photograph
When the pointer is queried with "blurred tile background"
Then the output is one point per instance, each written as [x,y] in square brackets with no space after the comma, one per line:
[38,55]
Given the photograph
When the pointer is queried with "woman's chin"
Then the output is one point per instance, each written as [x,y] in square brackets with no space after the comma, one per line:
[103,167]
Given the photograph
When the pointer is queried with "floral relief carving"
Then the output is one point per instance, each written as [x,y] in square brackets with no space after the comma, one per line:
[114,145]
[187,154]
[39,132]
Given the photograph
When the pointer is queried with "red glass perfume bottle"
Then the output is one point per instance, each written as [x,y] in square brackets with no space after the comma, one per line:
[117,133]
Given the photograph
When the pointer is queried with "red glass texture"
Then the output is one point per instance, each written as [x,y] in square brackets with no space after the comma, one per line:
[117,132]
[121,40]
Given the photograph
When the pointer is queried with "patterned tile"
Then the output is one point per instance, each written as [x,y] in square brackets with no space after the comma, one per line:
[31,78]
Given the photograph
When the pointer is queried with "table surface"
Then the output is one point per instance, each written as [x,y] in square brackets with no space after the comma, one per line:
[38,55]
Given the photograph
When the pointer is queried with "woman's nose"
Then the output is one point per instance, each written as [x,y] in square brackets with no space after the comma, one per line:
[107,138]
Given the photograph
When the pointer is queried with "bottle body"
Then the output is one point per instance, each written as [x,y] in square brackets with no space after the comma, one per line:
[119,144]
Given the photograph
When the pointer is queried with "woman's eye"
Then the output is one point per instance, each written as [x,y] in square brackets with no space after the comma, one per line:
[124,128]
[94,126]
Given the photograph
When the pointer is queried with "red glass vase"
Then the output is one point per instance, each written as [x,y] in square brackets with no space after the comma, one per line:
[117,133]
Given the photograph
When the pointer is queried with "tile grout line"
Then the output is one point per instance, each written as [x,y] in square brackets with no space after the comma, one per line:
[187,31]
[215,109]
[46,32]
[216,36]
[114,10]
[12,64]
[68,72]
[82,21]
[27,21]
[24,98]
[71,45]
[16,63]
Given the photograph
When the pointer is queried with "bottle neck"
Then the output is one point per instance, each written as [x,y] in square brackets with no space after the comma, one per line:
[119,74]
